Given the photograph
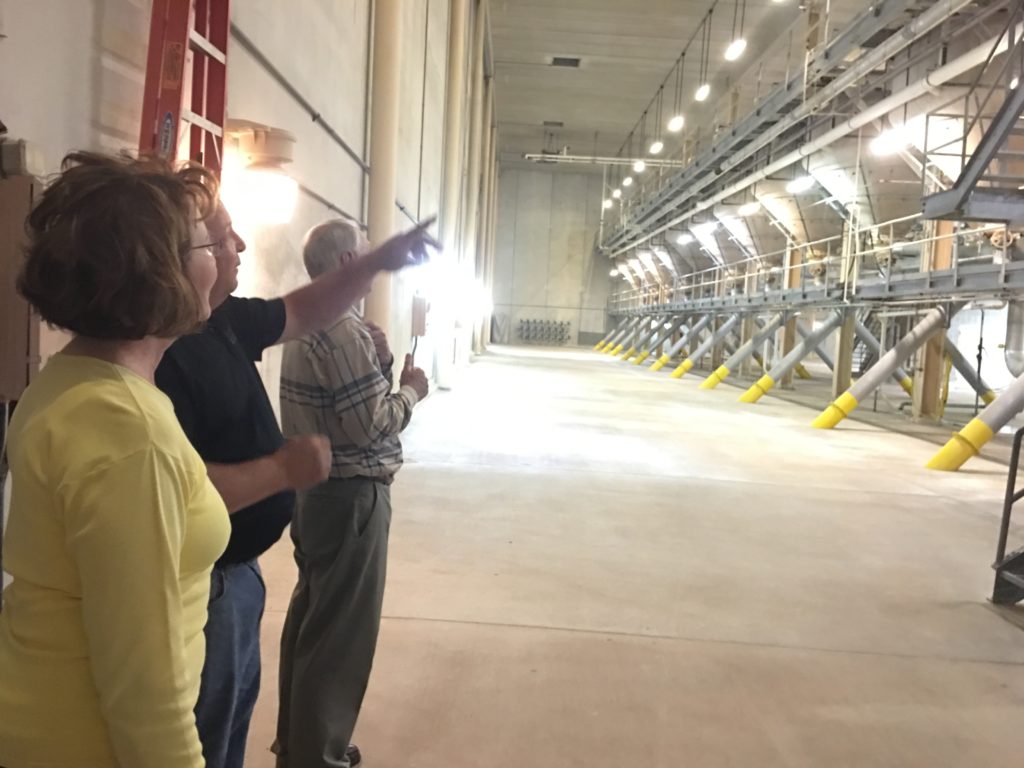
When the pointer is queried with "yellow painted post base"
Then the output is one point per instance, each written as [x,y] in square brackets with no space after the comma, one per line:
[599,346]
[988,397]
[964,445]
[660,363]
[908,385]
[628,353]
[679,372]
[836,412]
[715,378]
[802,372]
[640,360]
[758,390]
[614,350]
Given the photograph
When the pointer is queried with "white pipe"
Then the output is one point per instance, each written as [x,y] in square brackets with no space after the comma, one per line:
[1014,350]
[942,75]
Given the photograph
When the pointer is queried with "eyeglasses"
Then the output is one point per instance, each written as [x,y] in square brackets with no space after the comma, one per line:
[215,244]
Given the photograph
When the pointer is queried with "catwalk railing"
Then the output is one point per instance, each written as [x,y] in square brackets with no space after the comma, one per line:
[892,261]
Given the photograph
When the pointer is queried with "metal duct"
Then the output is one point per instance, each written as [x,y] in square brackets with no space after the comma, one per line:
[1014,351]
[995,46]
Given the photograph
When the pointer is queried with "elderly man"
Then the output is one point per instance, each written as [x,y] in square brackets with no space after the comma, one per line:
[223,407]
[338,381]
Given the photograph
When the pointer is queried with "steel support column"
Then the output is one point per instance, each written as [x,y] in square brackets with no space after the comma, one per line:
[702,349]
[761,387]
[886,366]
[747,349]
[692,332]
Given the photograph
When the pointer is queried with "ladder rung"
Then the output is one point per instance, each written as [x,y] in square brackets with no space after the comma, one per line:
[198,42]
[191,117]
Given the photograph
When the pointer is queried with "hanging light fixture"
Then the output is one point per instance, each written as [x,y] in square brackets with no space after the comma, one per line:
[657,145]
[616,193]
[639,166]
[704,89]
[607,203]
[678,120]
[628,181]
[684,239]
[739,43]
[749,209]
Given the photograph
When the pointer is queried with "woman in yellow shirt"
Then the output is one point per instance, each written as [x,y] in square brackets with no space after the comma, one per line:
[114,525]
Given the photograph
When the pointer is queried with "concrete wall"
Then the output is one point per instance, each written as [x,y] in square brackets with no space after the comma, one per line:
[545,265]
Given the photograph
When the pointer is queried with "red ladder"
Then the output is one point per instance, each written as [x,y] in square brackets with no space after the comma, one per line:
[186,81]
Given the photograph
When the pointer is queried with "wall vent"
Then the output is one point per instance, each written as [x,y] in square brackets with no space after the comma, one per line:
[573,62]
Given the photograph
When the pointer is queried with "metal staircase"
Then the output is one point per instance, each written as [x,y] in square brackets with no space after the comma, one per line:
[1009,583]
[992,172]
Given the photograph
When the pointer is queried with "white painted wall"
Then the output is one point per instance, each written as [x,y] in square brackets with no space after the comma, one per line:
[546,268]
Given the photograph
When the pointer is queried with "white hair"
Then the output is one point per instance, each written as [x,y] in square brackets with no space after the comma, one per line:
[325,243]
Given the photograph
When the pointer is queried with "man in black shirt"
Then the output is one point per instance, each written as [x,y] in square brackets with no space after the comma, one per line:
[223,407]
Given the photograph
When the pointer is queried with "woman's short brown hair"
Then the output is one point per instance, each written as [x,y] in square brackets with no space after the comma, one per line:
[108,242]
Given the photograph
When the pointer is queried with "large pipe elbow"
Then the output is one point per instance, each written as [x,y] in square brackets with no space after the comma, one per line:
[1014,348]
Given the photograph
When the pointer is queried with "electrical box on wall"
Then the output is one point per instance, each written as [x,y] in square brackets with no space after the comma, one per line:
[419,316]
[19,326]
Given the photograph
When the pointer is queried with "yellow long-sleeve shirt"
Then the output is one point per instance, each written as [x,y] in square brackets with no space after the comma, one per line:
[113,530]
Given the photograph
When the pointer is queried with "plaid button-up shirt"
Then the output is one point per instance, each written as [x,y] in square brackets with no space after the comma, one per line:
[333,384]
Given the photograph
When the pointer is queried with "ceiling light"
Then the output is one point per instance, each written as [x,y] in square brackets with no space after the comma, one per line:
[639,166]
[628,181]
[703,92]
[607,204]
[656,146]
[675,125]
[635,264]
[749,209]
[616,193]
[890,142]
[800,184]
[684,239]
[735,49]
[1014,83]
[613,273]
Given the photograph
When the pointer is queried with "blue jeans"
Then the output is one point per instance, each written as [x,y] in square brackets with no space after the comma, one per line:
[231,674]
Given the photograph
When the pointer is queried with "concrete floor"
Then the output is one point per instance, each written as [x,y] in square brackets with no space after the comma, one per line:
[595,565]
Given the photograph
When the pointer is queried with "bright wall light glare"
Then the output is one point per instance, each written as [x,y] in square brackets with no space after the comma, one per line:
[616,193]
[607,203]
[735,49]
[628,181]
[264,196]
[800,184]
[705,229]
[684,239]
[639,166]
[613,273]
[749,209]
[656,146]
[890,141]
[1015,82]
[675,125]
[703,92]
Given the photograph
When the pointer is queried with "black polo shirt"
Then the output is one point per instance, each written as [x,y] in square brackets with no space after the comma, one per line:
[223,407]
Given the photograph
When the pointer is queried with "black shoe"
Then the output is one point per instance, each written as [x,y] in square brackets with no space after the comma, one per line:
[353,755]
